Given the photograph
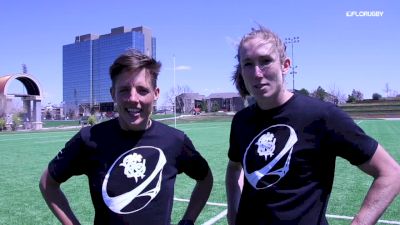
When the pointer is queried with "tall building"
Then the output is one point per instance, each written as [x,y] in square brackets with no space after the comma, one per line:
[86,81]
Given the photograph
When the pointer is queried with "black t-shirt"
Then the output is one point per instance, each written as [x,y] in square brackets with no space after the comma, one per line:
[288,156]
[131,173]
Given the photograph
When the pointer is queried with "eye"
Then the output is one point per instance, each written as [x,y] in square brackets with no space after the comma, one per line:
[143,90]
[247,64]
[124,90]
[265,61]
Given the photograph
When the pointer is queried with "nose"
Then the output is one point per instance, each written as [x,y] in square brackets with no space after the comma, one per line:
[258,70]
[133,96]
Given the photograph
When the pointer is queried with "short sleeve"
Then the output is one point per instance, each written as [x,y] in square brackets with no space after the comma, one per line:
[234,151]
[191,162]
[69,161]
[347,139]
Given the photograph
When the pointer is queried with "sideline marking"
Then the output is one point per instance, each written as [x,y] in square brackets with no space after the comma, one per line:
[216,218]
[223,213]
[350,218]
[207,203]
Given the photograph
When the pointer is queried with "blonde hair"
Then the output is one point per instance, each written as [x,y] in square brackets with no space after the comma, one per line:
[266,35]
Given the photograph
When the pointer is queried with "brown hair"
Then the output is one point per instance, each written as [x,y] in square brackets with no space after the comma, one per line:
[133,60]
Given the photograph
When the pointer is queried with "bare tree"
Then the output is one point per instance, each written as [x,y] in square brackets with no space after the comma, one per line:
[171,94]
[387,89]
[337,94]
[24,68]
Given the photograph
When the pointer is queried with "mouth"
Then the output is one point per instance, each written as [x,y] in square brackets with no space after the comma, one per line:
[133,111]
[260,86]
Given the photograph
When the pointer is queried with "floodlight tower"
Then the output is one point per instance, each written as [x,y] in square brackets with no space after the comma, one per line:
[292,41]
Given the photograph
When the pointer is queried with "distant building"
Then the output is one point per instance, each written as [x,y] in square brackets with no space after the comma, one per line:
[86,82]
[230,101]
[193,102]
[187,102]
[52,113]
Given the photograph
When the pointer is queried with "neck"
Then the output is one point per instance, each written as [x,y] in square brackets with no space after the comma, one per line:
[270,103]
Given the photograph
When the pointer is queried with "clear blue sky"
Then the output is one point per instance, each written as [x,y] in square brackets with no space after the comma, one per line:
[335,51]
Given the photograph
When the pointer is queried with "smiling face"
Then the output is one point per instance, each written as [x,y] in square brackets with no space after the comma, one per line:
[134,94]
[263,71]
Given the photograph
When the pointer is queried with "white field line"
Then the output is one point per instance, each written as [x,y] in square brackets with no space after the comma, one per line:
[216,218]
[350,218]
[221,215]
[198,128]
[359,122]
[33,138]
[208,203]
[50,141]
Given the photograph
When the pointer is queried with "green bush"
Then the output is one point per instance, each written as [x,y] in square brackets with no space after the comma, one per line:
[2,124]
[92,120]
[16,122]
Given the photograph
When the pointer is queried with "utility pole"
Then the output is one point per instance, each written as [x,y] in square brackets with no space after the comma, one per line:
[174,106]
[292,41]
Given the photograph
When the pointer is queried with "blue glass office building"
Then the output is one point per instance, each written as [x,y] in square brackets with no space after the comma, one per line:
[86,81]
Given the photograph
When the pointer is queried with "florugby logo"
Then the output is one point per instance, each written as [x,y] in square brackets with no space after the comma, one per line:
[267,158]
[134,179]
[364,13]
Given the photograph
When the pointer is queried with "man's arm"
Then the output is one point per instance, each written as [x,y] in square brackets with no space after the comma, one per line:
[233,182]
[199,197]
[385,187]
[56,199]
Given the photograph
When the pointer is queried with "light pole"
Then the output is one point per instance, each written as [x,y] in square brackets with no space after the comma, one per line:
[174,102]
[292,41]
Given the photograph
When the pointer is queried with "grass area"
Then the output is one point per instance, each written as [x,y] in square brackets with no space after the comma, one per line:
[25,155]
[59,123]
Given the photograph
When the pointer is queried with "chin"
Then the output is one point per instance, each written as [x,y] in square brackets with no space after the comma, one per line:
[132,125]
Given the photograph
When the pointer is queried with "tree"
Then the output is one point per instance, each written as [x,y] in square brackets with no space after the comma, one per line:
[351,99]
[320,93]
[336,95]
[304,92]
[24,68]
[171,94]
[376,96]
[387,89]
[355,96]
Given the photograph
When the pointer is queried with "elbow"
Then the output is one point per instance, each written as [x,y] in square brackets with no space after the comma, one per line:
[396,179]
[209,179]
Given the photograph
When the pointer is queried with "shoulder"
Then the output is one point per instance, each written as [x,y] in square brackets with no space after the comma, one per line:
[245,113]
[104,128]
[313,106]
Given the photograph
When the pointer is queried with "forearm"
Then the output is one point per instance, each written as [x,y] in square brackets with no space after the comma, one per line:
[386,186]
[56,200]
[60,207]
[233,191]
[381,193]
[199,197]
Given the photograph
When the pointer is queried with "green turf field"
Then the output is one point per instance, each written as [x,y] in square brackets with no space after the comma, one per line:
[24,156]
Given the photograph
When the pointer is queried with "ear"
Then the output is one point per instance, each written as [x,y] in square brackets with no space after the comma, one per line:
[156,93]
[112,92]
[286,65]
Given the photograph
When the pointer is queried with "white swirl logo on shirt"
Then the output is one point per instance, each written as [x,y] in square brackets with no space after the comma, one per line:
[267,158]
[134,179]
